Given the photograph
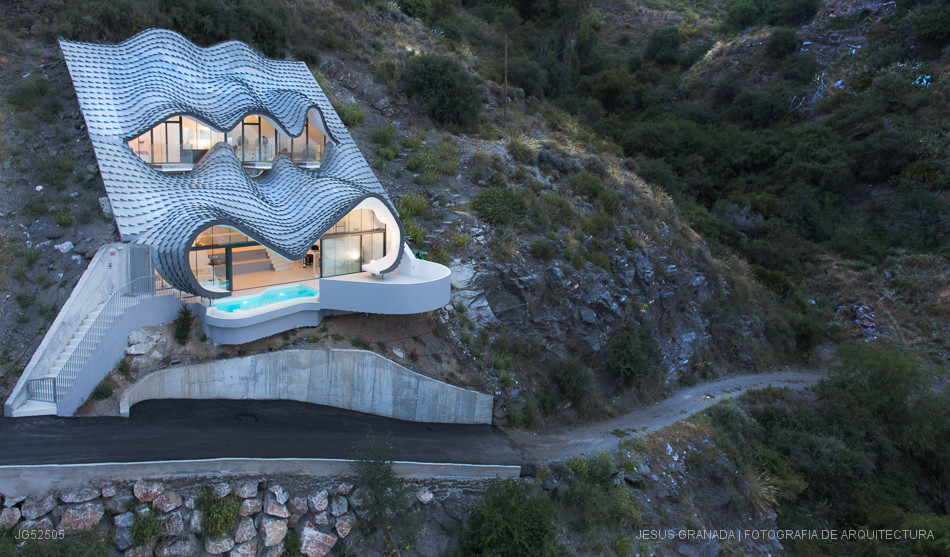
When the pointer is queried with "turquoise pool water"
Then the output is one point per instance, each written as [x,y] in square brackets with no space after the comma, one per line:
[269,296]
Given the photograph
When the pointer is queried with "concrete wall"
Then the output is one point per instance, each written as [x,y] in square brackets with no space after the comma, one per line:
[352,379]
[151,311]
[418,286]
[37,480]
[107,272]
[234,329]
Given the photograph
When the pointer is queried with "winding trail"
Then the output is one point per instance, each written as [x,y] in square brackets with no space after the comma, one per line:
[544,447]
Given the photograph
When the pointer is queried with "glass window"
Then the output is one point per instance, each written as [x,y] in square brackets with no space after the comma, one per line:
[173,138]
[268,140]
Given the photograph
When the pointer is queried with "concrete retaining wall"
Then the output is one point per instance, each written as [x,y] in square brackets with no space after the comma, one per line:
[39,479]
[352,379]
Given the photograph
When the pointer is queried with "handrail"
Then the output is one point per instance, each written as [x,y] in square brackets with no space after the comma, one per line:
[54,389]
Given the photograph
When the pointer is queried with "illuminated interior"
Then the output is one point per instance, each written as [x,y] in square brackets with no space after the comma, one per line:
[224,259]
[182,142]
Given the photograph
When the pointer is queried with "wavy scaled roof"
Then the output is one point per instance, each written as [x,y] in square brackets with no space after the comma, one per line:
[126,89]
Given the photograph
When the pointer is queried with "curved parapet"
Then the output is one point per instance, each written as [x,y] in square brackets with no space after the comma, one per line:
[127,88]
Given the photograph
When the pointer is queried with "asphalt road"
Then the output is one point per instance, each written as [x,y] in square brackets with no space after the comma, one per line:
[199,429]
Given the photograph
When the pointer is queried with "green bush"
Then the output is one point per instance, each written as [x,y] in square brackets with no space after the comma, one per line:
[385,498]
[543,249]
[218,516]
[511,522]
[292,543]
[500,206]
[444,88]
[307,54]
[182,325]
[145,527]
[65,217]
[573,379]
[412,205]
[416,8]
[663,46]
[350,114]
[102,391]
[631,355]
[414,231]
[782,42]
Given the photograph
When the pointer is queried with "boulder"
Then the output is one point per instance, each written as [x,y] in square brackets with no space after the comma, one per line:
[167,502]
[124,520]
[424,496]
[33,508]
[81,517]
[221,490]
[344,488]
[195,524]
[279,493]
[338,506]
[109,490]
[245,530]
[123,538]
[344,525]
[173,524]
[119,503]
[250,506]
[146,491]
[274,507]
[217,547]
[147,550]
[8,518]
[318,501]
[80,495]
[321,519]
[246,549]
[247,490]
[177,547]
[44,523]
[297,505]
[272,530]
[314,543]
[11,500]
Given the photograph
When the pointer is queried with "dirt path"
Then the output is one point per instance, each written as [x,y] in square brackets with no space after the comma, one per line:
[598,436]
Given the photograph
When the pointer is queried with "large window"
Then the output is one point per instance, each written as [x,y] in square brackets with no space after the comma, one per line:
[255,140]
[359,237]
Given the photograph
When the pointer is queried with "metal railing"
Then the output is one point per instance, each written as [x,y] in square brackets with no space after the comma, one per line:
[54,389]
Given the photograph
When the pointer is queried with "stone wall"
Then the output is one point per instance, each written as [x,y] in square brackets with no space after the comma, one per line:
[358,380]
[324,513]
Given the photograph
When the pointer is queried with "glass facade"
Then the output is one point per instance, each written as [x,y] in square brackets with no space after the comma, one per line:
[224,258]
[182,140]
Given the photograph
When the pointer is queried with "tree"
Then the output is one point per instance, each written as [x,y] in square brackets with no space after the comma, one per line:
[444,88]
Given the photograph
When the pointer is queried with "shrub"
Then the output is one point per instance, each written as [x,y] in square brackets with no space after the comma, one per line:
[414,231]
[292,543]
[350,114]
[218,515]
[124,366]
[385,493]
[663,45]
[795,12]
[384,134]
[631,355]
[145,527]
[500,206]
[412,205]
[182,325]
[782,42]
[542,249]
[358,342]
[573,379]
[444,88]
[511,522]
[416,8]
[102,391]
[308,55]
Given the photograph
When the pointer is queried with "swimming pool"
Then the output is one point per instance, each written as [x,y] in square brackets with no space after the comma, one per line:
[267,297]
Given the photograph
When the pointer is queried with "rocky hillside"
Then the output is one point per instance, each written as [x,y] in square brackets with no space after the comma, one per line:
[583,249]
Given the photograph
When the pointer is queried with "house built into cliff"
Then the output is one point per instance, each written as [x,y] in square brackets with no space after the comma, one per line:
[236,189]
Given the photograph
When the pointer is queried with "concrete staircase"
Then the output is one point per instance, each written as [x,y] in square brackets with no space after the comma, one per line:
[279,263]
[73,343]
